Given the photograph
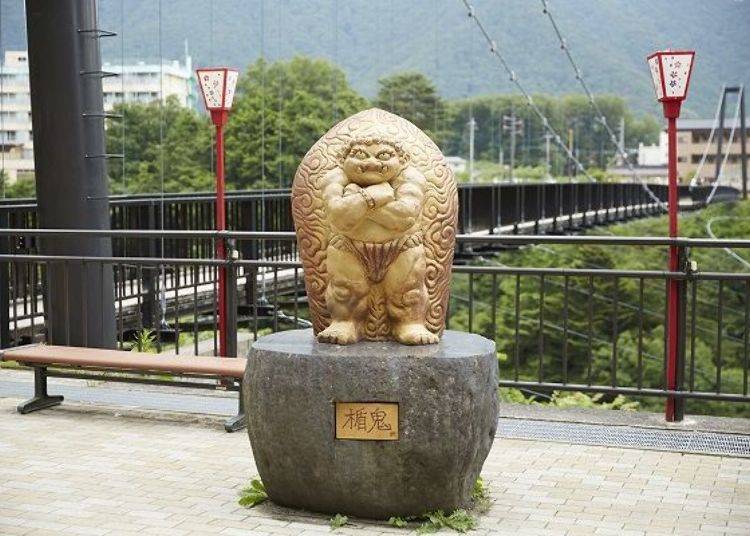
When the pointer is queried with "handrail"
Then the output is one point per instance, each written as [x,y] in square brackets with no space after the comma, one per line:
[462,238]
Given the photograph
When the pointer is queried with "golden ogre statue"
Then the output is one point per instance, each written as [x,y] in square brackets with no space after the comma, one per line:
[375,210]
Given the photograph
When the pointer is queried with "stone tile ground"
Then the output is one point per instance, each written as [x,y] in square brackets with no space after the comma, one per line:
[75,471]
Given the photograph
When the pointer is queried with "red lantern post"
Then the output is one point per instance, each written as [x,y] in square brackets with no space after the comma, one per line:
[670,71]
[217,86]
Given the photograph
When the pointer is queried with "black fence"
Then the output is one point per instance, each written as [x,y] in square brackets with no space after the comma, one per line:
[594,330]
[485,208]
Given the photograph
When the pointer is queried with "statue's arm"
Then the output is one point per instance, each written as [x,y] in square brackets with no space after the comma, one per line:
[401,213]
[344,211]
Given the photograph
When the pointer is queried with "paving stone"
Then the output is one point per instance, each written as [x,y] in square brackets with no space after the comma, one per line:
[71,472]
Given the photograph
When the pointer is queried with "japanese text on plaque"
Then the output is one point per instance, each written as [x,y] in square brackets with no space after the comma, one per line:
[367,420]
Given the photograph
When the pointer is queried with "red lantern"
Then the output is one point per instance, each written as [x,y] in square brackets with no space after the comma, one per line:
[670,72]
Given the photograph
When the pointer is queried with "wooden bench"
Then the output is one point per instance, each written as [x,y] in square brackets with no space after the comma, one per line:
[137,366]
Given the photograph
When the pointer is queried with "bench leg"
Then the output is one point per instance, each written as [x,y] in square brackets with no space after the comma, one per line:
[239,421]
[41,399]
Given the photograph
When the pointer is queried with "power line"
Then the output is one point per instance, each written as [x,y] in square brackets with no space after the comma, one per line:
[602,118]
[495,51]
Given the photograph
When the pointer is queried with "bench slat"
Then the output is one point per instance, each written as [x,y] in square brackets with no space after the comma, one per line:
[51,355]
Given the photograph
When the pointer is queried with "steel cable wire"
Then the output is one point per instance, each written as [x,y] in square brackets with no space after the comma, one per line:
[595,105]
[495,51]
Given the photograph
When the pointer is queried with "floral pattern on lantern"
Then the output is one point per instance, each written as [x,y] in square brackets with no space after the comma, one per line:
[654,67]
[231,84]
[677,70]
[670,73]
[217,87]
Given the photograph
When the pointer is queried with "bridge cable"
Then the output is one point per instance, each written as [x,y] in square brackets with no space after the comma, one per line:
[211,62]
[436,51]
[280,82]
[495,51]
[122,96]
[163,282]
[335,59]
[595,105]
[735,120]
[696,175]
[262,37]
[736,256]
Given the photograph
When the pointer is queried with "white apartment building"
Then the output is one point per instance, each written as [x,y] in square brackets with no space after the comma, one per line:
[140,82]
[143,82]
[653,155]
[16,141]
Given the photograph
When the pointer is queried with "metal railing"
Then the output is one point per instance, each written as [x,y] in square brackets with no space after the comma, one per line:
[485,208]
[596,330]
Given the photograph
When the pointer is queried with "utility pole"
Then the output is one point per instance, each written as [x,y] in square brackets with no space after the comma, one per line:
[548,167]
[514,126]
[500,152]
[743,142]
[571,166]
[472,128]
[621,143]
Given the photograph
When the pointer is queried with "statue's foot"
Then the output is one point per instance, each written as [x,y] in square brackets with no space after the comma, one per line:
[339,333]
[414,334]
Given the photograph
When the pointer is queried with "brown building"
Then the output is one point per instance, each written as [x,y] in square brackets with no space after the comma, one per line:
[692,137]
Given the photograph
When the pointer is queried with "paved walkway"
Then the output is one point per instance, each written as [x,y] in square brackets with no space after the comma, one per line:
[83,470]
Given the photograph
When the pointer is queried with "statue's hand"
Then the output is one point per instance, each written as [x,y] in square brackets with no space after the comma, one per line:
[351,189]
[381,193]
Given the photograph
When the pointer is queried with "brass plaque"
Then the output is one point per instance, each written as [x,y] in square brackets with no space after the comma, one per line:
[367,420]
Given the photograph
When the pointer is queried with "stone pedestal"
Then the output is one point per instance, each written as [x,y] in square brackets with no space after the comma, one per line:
[447,417]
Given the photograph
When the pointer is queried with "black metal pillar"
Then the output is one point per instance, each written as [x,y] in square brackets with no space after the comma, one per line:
[743,142]
[740,91]
[5,286]
[69,157]
[720,134]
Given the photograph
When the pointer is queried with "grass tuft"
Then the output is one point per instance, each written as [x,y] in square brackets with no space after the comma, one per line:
[338,521]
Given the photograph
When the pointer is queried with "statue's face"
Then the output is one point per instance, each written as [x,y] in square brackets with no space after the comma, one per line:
[372,164]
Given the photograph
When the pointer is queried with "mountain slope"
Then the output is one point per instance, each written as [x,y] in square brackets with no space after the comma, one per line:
[609,38]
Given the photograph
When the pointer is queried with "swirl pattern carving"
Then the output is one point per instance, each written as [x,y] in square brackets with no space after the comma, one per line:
[437,221]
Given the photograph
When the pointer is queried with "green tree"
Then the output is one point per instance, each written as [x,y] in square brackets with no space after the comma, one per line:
[167,140]
[413,96]
[281,109]
[572,117]
[22,187]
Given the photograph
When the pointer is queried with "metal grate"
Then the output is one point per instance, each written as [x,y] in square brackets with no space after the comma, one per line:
[626,437]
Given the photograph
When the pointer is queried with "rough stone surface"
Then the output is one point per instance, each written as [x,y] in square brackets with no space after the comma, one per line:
[447,420]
